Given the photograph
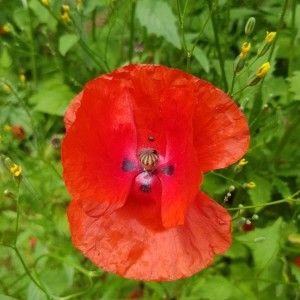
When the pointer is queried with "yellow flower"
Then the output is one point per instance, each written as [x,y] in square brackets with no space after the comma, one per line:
[65,17]
[245,49]
[45,2]
[242,162]
[7,127]
[270,36]
[22,77]
[16,170]
[6,87]
[263,70]
[65,8]
[4,29]
[250,185]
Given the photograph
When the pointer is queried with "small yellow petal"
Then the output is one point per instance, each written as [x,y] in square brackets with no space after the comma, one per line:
[16,170]
[263,70]
[270,36]
[242,162]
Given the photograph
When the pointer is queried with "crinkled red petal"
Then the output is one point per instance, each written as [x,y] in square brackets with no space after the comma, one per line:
[101,137]
[180,187]
[221,133]
[127,243]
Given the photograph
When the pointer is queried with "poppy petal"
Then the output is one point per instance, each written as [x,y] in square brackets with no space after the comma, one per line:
[221,133]
[133,250]
[70,114]
[180,187]
[99,160]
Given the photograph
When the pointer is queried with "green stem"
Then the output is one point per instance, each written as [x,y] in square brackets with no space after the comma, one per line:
[218,46]
[285,200]
[226,178]
[34,280]
[32,49]
[292,39]
[181,15]
[131,39]
[200,32]
[18,214]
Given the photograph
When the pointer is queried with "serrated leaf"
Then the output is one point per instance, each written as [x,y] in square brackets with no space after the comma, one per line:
[264,243]
[66,42]
[158,19]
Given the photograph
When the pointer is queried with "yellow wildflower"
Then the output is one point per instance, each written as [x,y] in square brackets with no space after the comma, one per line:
[7,127]
[263,70]
[249,185]
[65,8]
[16,170]
[242,162]
[270,36]
[6,87]
[4,29]
[45,2]
[245,49]
[65,17]
[22,77]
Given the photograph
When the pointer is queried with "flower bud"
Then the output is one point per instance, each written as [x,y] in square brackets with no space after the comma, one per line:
[250,24]
[267,43]
[249,185]
[261,72]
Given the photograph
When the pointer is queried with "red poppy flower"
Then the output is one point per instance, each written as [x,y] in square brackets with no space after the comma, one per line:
[138,141]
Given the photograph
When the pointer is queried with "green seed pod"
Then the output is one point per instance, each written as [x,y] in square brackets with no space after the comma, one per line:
[250,24]
[239,64]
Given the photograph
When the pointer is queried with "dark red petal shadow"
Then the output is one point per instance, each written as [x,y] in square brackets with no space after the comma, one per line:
[133,249]
[101,136]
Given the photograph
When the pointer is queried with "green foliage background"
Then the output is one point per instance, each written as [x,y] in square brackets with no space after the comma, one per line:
[45,61]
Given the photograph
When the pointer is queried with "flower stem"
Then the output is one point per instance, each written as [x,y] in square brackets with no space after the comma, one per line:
[131,39]
[285,200]
[218,46]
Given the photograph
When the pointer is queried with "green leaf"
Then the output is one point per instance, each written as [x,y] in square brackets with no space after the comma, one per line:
[294,86]
[43,14]
[262,192]
[295,270]
[158,19]
[264,243]
[66,42]
[201,57]
[53,97]
[3,297]
[5,58]
[281,186]
[208,291]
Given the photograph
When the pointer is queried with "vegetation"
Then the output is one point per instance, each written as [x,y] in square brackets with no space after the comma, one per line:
[51,48]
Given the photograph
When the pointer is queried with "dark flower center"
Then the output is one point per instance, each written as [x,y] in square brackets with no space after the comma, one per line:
[148,169]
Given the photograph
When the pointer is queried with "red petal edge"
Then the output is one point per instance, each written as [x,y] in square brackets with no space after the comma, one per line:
[133,250]
[93,152]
